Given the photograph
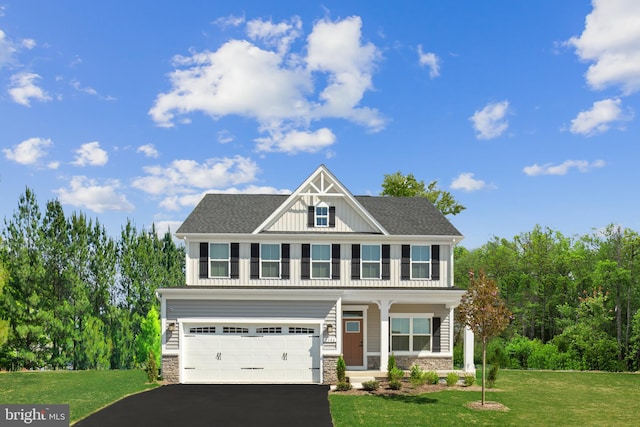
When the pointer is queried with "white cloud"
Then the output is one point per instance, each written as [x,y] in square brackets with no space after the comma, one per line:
[225,137]
[297,141]
[188,176]
[29,151]
[90,91]
[563,168]
[465,181]
[229,21]
[53,165]
[23,89]
[87,193]
[91,154]
[274,86]
[611,42]
[279,35]
[490,121]
[162,227]
[149,150]
[430,60]
[28,43]
[7,49]
[598,119]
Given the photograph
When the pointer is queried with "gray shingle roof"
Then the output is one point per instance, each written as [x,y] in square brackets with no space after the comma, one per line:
[243,213]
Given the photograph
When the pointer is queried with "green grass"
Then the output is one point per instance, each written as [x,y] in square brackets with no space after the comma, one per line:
[84,391]
[534,398]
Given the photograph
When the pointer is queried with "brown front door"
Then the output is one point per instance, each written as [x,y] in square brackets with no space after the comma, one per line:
[352,340]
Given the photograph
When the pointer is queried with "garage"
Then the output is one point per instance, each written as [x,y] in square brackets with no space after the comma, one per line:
[250,353]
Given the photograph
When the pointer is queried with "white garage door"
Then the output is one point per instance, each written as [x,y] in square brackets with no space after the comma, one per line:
[217,353]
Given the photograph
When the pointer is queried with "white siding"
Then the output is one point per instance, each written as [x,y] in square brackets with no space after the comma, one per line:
[193,279]
[347,219]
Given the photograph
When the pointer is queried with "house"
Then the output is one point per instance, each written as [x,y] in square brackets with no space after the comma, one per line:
[279,286]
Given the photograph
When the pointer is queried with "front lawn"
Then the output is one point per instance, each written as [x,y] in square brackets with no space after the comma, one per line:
[84,391]
[534,398]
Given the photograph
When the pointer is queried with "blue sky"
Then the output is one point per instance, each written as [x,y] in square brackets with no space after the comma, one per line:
[526,111]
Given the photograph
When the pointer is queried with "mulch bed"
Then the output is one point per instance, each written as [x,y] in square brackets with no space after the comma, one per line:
[409,390]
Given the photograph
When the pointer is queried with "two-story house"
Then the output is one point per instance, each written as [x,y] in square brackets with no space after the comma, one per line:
[279,286]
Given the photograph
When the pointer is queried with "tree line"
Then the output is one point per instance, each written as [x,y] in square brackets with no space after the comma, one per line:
[575,300]
[72,296]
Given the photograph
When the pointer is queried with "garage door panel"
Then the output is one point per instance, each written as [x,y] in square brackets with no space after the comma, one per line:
[251,358]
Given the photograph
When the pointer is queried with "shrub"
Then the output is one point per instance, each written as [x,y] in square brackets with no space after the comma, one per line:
[417,376]
[152,367]
[370,385]
[395,385]
[432,377]
[492,375]
[391,364]
[452,379]
[341,370]
[395,374]
[343,386]
[469,380]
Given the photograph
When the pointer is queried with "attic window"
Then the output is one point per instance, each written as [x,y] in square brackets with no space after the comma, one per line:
[322,215]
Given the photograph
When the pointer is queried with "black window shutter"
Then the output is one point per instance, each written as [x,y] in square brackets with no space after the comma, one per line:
[355,262]
[405,268]
[204,260]
[435,262]
[235,260]
[255,261]
[311,216]
[335,261]
[386,262]
[435,345]
[306,261]
[332,216]
[285,248]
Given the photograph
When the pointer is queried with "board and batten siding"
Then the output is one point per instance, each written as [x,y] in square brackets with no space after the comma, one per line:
[323,311]
[295,219]
[295,270]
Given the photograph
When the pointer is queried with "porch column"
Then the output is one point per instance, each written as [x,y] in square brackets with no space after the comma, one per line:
[384,305]
[468,351]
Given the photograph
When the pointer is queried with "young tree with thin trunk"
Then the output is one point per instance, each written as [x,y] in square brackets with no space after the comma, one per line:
[484,312]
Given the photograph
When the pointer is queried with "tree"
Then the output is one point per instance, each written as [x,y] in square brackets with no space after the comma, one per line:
[4,324]
[148,340]
[399,185]
[484,312]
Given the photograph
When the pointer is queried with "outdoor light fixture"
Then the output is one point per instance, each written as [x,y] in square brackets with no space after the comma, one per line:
[330,329]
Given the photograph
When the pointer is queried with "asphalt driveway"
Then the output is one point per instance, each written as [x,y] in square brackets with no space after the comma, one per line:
[219,405]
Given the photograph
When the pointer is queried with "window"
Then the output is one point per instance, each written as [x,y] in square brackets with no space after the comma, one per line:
[322,215]
[320,261]
[203,330]
[371,261]
[420,262]
[219,259]
[270,261]
[234,330]
[410,334]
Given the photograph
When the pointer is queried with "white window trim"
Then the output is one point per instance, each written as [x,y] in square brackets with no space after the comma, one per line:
[412,262]
[410,316]
[362,262]
[279,261]
[311,261]
[316,216]
[211,276]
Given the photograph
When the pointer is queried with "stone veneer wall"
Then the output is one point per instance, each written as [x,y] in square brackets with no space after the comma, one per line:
[170,369]
[426,363]
[329,373]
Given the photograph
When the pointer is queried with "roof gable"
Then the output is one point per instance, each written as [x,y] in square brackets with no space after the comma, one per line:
[322,185]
